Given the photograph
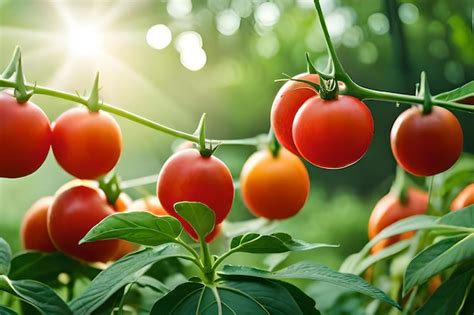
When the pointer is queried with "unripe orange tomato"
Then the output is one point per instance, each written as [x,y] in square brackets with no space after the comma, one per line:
[333,133]
[464,199]
[288,101]
[189,176]
[151,204]
[390,209]
[426,144]
[34,228]
[86,144]
[434,284]
[274,187]
[25,137]
[73,213]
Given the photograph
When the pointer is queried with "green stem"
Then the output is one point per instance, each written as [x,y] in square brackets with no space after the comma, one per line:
[124,297]
[70,288]
[206,261]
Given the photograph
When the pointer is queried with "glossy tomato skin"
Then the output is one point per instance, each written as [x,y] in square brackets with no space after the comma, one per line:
[274,187]
[389,210]
[73,213]
[288,101]
[25,137]
[426,145]
[333,133]
[34,228]
[151,204]
[189,176]
[86,144]
[464,198]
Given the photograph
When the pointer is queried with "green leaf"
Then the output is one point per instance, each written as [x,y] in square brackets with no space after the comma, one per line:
[457,94]
[462,218]
[37,294]
[246,295]
[5,257]
[44,267]
[126,270]
[198,215]
[7,311]
[312,271]
[307,304]
[232,229]
[272,243]
[139,227]
[450,296]
[436,258]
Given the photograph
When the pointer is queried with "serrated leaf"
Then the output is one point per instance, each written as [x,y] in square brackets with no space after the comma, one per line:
[139,227]
[248,295]
[457,94]
[44,267]
[7,311]
[126,270]
[311,271]
[436,258]
[198,215]
[272,243]
[5,257]
[37,294]
[450,296]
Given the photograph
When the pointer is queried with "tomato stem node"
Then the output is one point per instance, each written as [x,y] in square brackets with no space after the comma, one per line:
[93,102]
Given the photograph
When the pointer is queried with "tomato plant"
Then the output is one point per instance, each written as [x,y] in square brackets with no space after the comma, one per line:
[91,249]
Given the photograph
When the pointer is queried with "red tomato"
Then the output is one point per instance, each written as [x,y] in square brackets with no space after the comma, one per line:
[34,229]
[25,137]
[86,144]
[333,133]
[389,210]
[189,176]
[274,187]
[464,199]
[288,101]
[73,213]
[426,145]
[151,204]
[210,237]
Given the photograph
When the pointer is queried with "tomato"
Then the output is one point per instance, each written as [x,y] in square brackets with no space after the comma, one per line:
[426,145]
[73,213]
[25,137]
[189,176]
[434,284]
[390,209]
[209,238]
[151,204]
[288,101]
[86,144]
[464,199]
[333,133]
[34,229]
[274,187]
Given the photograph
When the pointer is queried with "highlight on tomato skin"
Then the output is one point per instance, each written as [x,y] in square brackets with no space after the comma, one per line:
[426,144]
[334,133]
[34,229]
[25,137]
[189,176]
[464,198]
[72,214]
[274,187]
[76,133]
[389,209]
[286,104]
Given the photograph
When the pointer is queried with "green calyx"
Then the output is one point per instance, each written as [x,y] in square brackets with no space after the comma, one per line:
[273,145]
[111,188]
[93,102]
[424,92]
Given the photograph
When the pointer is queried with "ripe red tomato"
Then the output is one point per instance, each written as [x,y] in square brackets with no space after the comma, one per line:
[73,213]
[389,210]
[464,199]
[189,176]
[274,187]
[86,144]
[151,204]
[333,133]
[426,145]
[288,101]
[34,229]
[25,137]
[211,237]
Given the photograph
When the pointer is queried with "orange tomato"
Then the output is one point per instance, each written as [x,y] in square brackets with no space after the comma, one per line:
[274,187]
[464,198]
[34,228]
[151,204]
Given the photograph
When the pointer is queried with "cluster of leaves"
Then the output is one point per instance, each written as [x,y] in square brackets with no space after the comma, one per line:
[233,289]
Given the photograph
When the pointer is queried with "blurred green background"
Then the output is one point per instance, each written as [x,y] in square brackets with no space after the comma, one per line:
[222,57]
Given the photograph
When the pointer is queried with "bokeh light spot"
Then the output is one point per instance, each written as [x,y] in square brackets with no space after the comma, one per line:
[159,36]
[228,22]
